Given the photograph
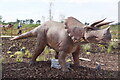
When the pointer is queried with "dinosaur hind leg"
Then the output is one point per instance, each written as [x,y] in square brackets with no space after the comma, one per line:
[41,43]
[62,62]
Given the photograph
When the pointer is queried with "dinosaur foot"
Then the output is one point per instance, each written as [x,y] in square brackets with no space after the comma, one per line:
[77,67]
[68,69]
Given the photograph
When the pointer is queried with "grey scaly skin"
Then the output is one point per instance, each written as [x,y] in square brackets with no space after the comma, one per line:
[65,38]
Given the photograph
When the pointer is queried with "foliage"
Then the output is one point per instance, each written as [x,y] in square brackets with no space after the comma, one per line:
[9,52]
[111,46]
[11,56]
[20,54]
[19,59]
[46,54]
[40,58]
[28,54]
[46,50]
[86,47]
[88,53]
[102,47]
[28,21]
[2,59]
[109,50]
[38,22]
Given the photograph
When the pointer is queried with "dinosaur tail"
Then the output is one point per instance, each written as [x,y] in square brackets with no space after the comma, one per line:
[25,35]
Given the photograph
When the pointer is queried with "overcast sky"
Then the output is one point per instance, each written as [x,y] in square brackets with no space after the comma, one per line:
[84,10]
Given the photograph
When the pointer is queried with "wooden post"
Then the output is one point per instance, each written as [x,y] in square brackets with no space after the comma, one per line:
[11,31]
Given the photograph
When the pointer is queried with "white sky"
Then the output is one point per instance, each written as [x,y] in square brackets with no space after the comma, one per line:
[84,10]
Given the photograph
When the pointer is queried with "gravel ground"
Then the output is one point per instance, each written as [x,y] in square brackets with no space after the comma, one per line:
[87,69]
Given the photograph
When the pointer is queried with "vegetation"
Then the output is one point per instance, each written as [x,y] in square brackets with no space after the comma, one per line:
[86,47]
[25,53]
[112,45]
[2,59]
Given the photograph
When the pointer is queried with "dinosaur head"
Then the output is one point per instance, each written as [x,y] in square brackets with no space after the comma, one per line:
[94,34]
[97,35]
[91,33]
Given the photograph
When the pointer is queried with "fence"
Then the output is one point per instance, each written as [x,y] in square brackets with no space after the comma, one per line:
[13,31]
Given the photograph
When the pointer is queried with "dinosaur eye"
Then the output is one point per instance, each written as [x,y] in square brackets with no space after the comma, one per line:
[104,34]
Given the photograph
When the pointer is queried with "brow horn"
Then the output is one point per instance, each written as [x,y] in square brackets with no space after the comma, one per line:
[105,23]
[97,22]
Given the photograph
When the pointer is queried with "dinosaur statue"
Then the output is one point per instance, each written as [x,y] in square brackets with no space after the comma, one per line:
[65,38]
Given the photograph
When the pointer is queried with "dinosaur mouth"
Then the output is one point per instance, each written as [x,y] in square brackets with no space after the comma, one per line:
[105,41]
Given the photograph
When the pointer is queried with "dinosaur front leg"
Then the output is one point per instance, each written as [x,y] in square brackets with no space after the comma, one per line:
[61,57]
[76,56]
[56,55]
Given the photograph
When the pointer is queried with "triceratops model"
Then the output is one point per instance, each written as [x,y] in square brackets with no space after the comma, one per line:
[65,38]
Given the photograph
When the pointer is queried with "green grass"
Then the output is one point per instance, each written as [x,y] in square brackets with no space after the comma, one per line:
[26,25]
[115,31]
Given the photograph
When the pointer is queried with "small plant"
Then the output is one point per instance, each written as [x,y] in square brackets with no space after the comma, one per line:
[2,59]
[11,56]
[114,44]
[28,54]
[48,53]
[102,47]
[111,46]
[19,59]
[109,50]
[51,51]
[9,52]
[40,58]
[86,47]
[88,53]
[46,50]
[19,55]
